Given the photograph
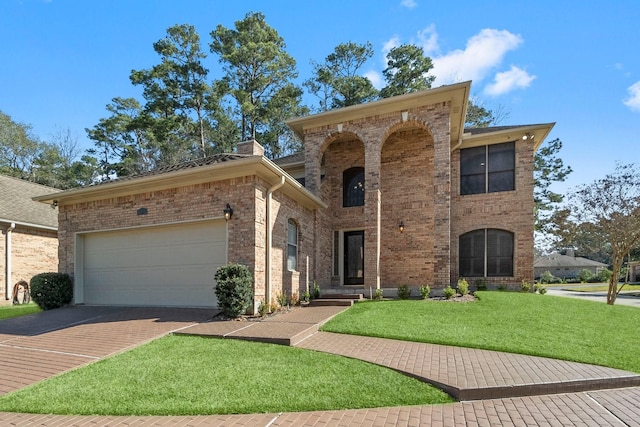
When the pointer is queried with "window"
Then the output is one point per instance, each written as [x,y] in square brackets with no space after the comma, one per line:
[353,187]
[486,253]
[487,169]
[292,245]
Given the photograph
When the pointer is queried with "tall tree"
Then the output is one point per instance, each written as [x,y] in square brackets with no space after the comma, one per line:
[337,82]
[611,208]
[176,91]
[18,148]
[407,71]
[548,169]
[259,75]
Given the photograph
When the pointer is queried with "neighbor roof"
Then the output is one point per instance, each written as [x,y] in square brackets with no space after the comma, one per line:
[17,205]
[557,260]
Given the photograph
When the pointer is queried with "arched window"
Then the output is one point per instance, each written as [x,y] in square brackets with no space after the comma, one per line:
[486,253]
[353,187]
[292,245]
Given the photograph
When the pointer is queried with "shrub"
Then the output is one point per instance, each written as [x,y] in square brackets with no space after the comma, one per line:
[281,298]
[584,275]
[540,288]
[547,277]
[315,291]
[463,287]
[526,287]
[605,275]
[234,289]
[295,299]
[404,292]
[424,290]
[51,290]
[481,285]
[378,295]
[263,309]
[449,292]
[306,296]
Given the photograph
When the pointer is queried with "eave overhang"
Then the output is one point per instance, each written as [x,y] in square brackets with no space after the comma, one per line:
[251,165]
[456,94]
[512,133]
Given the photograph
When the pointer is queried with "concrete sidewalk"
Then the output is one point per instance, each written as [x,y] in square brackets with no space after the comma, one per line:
[496,388]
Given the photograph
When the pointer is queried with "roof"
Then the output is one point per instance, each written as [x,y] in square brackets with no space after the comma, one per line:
[457,94]
[210,169]
[295,158]
[536,133]
[557,260]
[17,205]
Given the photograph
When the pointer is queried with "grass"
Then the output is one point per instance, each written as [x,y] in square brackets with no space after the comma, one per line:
[180,375]
[541,325]
[9,311]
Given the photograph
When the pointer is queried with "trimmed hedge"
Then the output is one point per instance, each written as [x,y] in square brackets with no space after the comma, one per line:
[234,289]
[51,290]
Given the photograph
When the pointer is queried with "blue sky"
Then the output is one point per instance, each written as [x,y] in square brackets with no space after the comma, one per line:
[574,63]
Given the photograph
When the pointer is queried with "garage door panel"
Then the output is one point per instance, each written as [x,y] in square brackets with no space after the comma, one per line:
[167,266]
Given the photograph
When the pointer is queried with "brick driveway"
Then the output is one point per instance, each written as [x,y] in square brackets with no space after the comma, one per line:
[39,346]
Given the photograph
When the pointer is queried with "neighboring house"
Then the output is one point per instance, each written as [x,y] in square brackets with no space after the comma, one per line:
[634,271]
[395,192]
[565,266]
[29,243]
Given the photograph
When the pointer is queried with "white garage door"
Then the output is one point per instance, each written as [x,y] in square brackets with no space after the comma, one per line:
[154,266]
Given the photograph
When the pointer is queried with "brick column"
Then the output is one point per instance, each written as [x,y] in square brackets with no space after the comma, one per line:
[442,207]
[372,210]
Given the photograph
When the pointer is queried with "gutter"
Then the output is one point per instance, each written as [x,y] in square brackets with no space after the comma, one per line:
[7,271]
[269,238]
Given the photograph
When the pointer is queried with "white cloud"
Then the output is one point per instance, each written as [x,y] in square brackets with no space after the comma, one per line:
[633,101]
[484,52]
[428,40]
[410,4]
[376,79]
[506,81]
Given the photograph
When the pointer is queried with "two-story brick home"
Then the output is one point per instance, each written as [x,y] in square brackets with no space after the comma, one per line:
[387,193]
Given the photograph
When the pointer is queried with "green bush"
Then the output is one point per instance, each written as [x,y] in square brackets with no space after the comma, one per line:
[605,275]
[378,295]
[424,290]
[540,288]
[281,298]
[547,277]
[584,275]
[526,287]
[234,289]
[51,290]
[463,287]
[306,296]
[449,292]
[315,291]
[404,292]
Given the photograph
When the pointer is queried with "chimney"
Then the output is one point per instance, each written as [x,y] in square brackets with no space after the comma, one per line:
[250,147]
[571,252]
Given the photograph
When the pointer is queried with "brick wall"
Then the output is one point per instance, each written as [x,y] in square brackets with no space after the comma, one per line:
[507,210]
[34,251]
[246,229]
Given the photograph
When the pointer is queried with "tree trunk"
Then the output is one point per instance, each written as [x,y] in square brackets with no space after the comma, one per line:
[612,293]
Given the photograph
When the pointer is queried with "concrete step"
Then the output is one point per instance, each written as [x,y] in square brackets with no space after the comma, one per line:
[331,301]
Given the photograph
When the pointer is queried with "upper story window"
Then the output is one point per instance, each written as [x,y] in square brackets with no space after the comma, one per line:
[487,169]
[292,245]
[353,187]
[486,253]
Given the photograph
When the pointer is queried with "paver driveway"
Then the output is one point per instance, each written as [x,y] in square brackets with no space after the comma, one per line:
[38,346]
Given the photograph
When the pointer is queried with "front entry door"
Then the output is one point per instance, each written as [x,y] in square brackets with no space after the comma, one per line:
[354,257]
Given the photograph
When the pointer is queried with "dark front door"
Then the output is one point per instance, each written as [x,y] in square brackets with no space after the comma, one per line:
[353,257]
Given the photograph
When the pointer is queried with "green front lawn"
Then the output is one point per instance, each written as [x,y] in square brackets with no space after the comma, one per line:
[8,311]
[180,375]
[602,288]
[533,324]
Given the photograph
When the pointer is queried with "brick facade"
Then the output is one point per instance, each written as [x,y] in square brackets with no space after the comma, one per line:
[33,251]
[246,230]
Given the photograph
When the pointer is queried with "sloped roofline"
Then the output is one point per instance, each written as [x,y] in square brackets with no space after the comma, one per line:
[457,94]
[245,166]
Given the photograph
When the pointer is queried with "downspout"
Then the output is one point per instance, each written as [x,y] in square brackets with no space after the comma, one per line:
[7,250]
[269,237]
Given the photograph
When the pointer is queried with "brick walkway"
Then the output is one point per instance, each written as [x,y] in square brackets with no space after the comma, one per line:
[507,389]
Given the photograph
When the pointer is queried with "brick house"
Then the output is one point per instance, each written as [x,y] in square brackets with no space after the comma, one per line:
[29,243]
[387,193]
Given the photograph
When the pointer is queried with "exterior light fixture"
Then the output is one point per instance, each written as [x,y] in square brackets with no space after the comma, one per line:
[527,136]
[228,212]
[401,226]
